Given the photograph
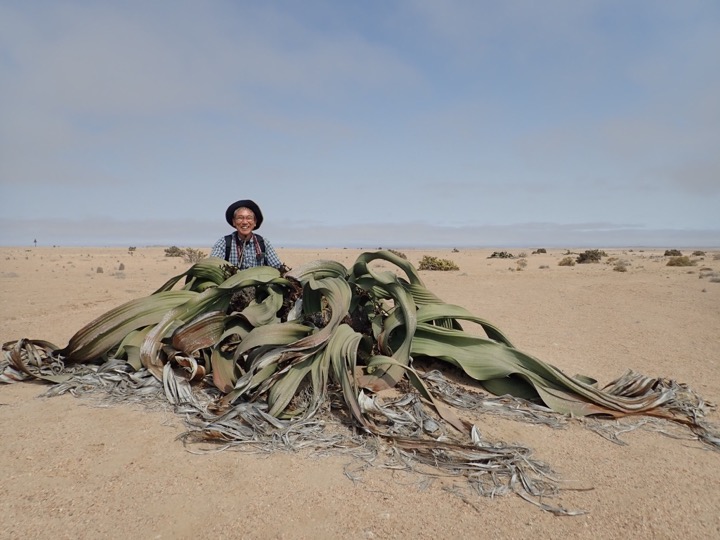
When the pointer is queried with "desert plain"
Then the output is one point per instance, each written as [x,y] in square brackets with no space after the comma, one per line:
[72,469]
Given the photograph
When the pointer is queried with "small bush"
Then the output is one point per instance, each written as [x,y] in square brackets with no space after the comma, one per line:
[521,264]
[456,250]
[698,253]
[99,270]
[672,253]
[567,261]
[620,267]
[591,256]
[121,267]
[543,267]
[191,255]
[540,250]
[680,261]
[501,255]
[434,263]
[398,253]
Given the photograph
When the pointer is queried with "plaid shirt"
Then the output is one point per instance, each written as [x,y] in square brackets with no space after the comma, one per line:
[250,256]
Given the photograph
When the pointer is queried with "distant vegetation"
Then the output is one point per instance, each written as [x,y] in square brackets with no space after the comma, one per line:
[680,261]
[434,263]
[189,255]
[501,255]
[398,253]
[591,256]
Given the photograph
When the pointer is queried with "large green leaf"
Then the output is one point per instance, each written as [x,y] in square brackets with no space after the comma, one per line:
[107,331]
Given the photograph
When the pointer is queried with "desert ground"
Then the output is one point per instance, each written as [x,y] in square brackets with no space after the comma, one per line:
[73,469]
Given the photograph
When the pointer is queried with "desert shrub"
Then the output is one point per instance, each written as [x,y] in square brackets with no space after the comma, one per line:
[121,267]
[680,261]
[539,250]
[501,255]
[398,253]
[716,257]
[434,263]
[567,261]
[543,267]
[521,264]
[591,256]
[672,253]
[698,253]
[191,255]
[99,270]
[456,250]
[620,267]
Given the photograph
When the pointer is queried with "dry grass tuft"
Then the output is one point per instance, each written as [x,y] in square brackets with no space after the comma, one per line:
[620,267]
[683,260]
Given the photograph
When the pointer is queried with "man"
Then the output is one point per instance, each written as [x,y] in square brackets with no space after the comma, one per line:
[243,248]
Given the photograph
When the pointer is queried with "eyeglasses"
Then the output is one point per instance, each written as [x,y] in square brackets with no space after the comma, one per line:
[244,218]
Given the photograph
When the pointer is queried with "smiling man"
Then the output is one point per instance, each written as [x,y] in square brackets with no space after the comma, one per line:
[243,248]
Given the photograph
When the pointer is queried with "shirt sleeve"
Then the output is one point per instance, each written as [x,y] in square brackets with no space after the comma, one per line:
[218,250]
[271,258]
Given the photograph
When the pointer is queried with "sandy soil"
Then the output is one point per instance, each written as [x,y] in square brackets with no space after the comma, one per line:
[70,469]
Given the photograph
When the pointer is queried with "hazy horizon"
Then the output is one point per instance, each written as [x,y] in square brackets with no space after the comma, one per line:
[399,236]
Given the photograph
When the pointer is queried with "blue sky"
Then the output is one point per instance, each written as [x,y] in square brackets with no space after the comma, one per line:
[366,123]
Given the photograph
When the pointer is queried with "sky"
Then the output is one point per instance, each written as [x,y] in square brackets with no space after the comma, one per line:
[373,123]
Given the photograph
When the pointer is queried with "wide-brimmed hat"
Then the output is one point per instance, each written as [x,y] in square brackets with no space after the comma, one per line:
[245,203]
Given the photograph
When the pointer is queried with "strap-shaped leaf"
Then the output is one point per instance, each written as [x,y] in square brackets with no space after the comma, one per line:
[203,331]
[108,330]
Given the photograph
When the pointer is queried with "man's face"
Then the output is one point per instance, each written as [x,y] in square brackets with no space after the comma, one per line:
[244,221]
